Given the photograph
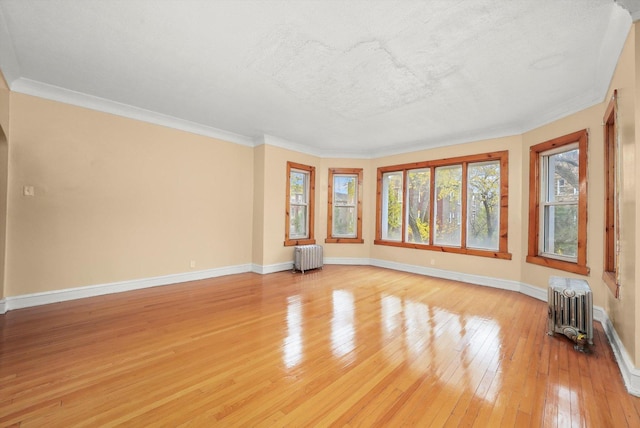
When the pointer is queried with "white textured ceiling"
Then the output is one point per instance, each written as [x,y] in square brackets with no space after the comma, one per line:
[332,78]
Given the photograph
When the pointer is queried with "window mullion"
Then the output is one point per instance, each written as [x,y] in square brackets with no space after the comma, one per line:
[463,213]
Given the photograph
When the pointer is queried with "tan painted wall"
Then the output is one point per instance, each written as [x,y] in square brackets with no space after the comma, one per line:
[259,176]
[4,174]
[5,97]
[622,311]
[275,181]
[4,104]
[590,119]
[118,199]
[505,269]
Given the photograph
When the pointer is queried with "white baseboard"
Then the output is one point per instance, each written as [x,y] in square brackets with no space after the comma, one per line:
[486,281]
[266,269]
[3,306]
[630,374]
[36,299]
[347,261]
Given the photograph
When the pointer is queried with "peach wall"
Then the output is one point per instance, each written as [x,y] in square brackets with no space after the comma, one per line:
[590,119]
[118,199]
[622,311]
[259,177]
[4,171]
[275,180]
[4,174]
[473,265]
[4,104]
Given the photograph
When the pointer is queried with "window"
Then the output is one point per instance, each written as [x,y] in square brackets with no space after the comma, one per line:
[558,203]
[454,205]
[344,217]
[299,204]
[612,234]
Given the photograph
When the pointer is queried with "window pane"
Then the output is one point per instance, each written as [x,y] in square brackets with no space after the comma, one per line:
[298,221]
[561,225]
[298,187]
[344,190]
[562,177]
[448,209]
[344,222]
[392,206]
[418,184]
[483,205]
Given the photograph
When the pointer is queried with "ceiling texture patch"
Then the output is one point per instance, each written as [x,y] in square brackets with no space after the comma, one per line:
[357,78]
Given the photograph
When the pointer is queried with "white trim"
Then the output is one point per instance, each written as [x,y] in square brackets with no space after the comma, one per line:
[535,292]
[486,281]
[355,261]
[266,269]
[44,298]
[3,306]
[630,374]
[56,93]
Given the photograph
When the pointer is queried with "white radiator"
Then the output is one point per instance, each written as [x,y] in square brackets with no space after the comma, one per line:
[571,310]
[307,257]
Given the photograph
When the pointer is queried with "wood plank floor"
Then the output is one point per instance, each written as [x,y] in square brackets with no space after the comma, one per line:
[345,346]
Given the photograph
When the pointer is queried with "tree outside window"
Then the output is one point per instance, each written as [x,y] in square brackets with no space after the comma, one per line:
[455,205]
[344,217]
[558,203]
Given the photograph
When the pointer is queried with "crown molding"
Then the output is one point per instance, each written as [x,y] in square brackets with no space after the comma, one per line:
[56,93]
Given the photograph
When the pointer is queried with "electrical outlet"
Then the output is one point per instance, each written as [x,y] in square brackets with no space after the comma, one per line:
[433,262]
[192,264]
[28,191]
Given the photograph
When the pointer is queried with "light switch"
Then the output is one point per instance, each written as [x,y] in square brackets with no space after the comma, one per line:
[28,191]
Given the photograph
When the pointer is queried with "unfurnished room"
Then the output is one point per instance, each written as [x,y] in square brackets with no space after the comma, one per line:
[319,213]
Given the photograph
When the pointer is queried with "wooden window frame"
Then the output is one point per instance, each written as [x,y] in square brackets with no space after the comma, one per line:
[611,199]
[535,171]
[501,156]
[356,172]
[310,204]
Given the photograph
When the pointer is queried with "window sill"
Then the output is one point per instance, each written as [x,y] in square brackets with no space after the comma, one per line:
[454,250]
[293,242]
[559,264]
[344,241]
[609,278]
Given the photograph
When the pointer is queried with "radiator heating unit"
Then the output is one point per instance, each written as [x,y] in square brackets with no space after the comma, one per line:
[307,257]
[571,310]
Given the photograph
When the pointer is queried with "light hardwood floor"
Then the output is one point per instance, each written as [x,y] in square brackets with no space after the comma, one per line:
[345,346]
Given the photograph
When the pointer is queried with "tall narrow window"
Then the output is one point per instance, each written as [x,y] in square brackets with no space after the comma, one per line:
[611,228]
[392,206]
[448,207]
[483,205]
[456,205]
[344,217]
[418,206]
[558,203]
[299,204]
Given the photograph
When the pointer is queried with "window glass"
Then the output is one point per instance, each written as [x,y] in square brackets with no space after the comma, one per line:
[345,197]
[298,217]
[392,206]
[560,203]
[483,205]
[418,211]
[448,209]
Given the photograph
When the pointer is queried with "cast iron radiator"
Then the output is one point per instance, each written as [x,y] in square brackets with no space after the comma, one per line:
[307,257]
[571,310]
